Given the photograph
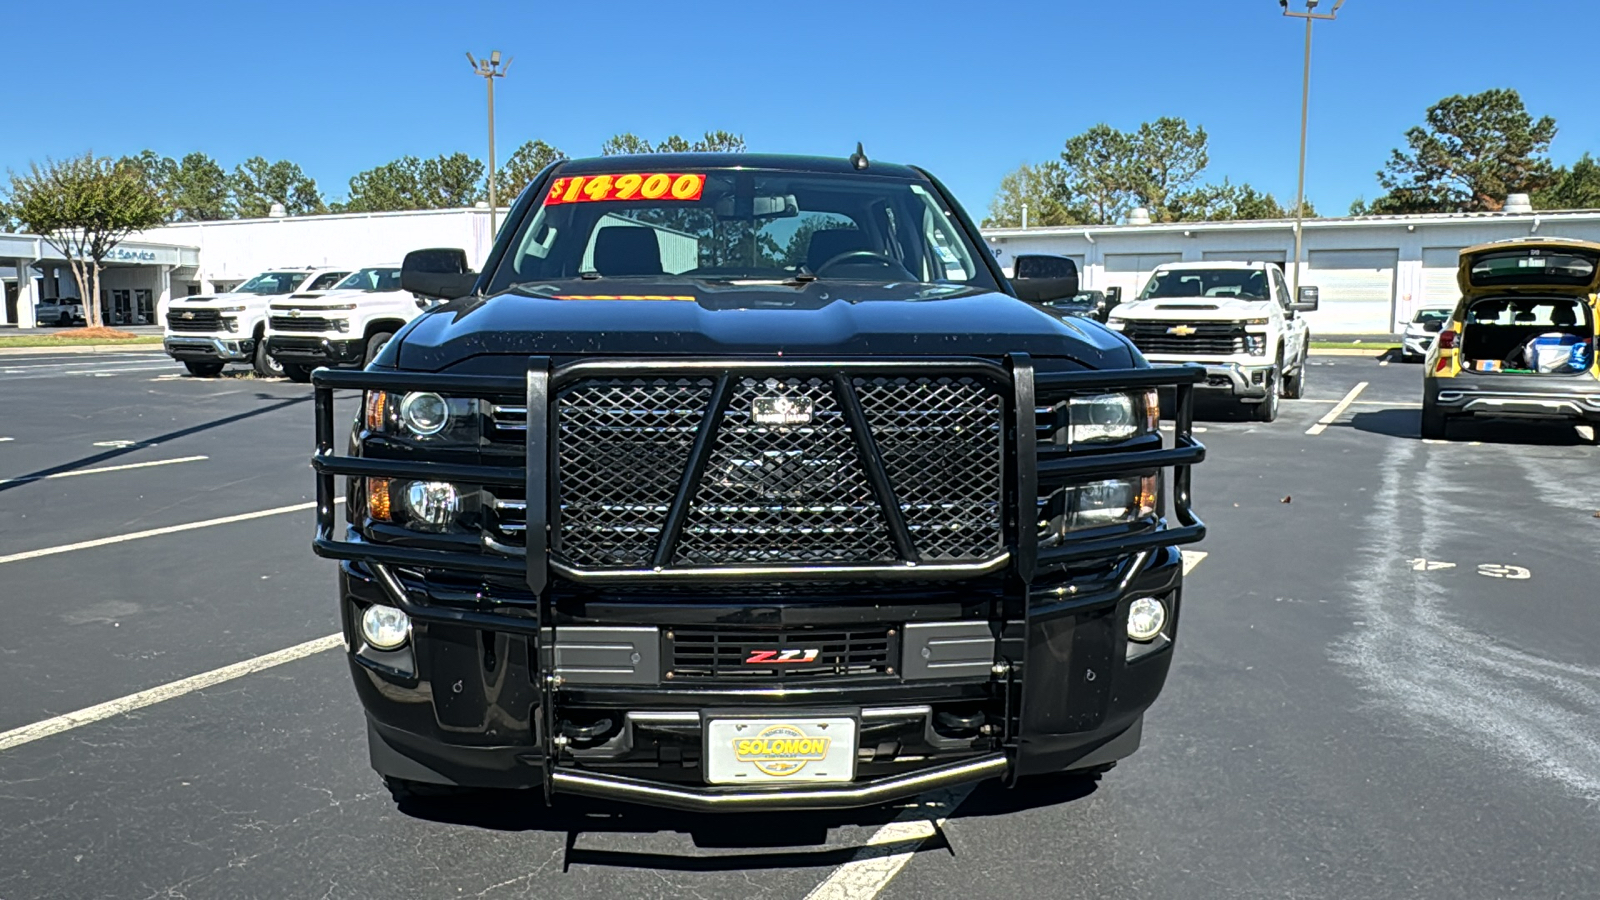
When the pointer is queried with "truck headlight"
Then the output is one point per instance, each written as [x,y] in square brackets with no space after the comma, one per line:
[421,414]
[1113,501]
[340,325]
[1103,418]
[424,413]
[1116,324]
[230,324]
[432,505]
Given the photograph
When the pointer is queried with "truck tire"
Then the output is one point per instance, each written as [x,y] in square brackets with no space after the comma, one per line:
[203,369]
[297,373]
[375,345]
[1294,387]
[1435,424]
[1267,409]
[265,365]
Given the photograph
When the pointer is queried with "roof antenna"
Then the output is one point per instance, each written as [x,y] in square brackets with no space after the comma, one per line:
[859,158]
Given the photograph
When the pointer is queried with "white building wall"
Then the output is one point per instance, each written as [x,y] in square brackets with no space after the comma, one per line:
[1419,246]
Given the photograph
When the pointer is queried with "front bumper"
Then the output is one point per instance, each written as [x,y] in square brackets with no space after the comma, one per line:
[317,351]
[209,349]
[1516,396]
[461,704]
[1245,382]
[1416,344]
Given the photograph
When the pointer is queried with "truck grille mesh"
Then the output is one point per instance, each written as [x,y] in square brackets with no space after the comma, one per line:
[1200,338]
[774,495]
[201,320]
[623,447]
[784,495]
[300,323]
[941,443]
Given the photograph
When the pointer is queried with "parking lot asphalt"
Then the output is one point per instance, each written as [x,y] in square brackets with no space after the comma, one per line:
[1385,685]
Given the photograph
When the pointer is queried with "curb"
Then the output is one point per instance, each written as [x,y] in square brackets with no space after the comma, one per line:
[82,348]
[1374,353]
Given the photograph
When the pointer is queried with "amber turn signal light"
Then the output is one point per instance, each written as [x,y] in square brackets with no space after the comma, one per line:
[378,505]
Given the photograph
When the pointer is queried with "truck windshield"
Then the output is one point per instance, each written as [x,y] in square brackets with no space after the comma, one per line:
[1247,284]
[378,278]
[742,226]
[271,283]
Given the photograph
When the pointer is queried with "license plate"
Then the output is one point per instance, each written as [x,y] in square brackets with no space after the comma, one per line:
[768,751]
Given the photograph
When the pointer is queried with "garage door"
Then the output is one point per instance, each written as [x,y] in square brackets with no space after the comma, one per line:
[1273,256]
[1130,271]
[1356,288]
[1439,286]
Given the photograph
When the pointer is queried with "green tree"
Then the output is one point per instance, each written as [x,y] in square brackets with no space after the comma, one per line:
[1472,151]
[1164,159]
[1040,189]
[1574,188]
[523,166]
[395,185]
[257,184]
[1228,201]
[1098,165]
[197,189]
[85,206]
[710,142]
[451,182]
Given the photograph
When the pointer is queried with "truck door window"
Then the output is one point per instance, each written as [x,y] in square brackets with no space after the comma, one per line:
[1281,289]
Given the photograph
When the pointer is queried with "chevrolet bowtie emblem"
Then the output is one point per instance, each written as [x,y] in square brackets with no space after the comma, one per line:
[187,315]
[294,313]
[1182,330]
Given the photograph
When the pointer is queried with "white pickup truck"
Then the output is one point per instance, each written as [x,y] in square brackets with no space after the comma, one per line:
[209,331]
[345,327]
[1235,318]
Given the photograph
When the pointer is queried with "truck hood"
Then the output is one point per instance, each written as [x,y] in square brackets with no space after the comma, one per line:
[201,301]
[1223,309]
[617,317]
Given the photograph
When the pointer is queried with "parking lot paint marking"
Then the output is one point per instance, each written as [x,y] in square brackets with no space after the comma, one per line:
[16,737]
[156,532]
[4,439]
[889,848]
[96,471]
[1338,410]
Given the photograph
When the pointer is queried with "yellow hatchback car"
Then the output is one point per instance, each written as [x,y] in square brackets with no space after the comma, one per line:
[1521,341]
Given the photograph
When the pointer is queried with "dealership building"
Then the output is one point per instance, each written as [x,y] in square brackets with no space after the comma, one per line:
[1372,272]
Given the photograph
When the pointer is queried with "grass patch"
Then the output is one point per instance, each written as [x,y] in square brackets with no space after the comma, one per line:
[74,339]
[1375,346]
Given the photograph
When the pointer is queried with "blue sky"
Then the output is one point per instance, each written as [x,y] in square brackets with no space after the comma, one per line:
[969,90]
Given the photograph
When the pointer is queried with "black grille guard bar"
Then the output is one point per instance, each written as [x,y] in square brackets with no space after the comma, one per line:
[1027,389]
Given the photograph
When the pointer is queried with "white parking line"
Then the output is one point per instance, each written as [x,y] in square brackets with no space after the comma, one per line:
[143,465]
[154,532]
[1338,410]
[873,868]
[16,737]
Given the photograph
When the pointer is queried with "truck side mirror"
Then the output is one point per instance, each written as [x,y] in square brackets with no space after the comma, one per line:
[1307,301]
[1113,296]
[1041,278]
[441,274]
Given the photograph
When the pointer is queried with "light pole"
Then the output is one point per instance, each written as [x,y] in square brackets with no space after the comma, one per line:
[491,69]
[1309,15]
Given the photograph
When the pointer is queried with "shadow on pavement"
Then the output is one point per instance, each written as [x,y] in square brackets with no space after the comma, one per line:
[738,841]
[118,452]
[1406,423]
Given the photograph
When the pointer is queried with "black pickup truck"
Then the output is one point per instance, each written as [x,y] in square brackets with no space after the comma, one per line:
[741,482]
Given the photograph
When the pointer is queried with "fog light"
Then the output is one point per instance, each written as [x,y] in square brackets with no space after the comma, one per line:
[424,413]
[385,627]
[1146,617]
[433,504]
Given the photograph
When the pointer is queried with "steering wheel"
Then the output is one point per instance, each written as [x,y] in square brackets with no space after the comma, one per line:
[863,257]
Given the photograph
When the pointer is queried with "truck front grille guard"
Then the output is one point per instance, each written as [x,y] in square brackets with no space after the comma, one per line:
[1027,388]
